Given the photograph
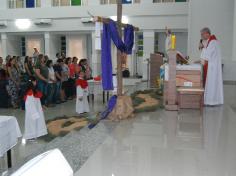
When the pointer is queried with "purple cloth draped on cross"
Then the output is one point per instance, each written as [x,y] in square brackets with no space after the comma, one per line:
[110,32]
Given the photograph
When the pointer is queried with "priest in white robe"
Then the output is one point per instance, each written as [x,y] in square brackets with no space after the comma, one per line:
[211,56]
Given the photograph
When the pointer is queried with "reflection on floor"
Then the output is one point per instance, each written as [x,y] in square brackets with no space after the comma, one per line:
[166,144]
[170,144]
[158,143]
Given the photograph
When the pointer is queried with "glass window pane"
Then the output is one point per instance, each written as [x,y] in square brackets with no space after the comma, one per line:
[19,3]
[126,1]
[55,2]
[76,2]
[38,3]
[65,3]
[113,1]
[11,4]
[30,4]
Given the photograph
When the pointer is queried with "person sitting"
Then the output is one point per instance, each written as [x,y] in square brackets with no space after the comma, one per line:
[35,125]
[82,105]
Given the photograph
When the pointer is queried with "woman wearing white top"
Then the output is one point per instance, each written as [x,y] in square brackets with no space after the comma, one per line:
[51,83]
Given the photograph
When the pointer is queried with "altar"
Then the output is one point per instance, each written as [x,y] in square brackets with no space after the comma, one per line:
[186,88]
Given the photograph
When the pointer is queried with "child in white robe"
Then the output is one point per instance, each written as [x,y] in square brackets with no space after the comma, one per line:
[82,105]
[34,118]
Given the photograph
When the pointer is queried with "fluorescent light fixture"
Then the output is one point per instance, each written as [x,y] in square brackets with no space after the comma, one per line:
[23,24]
[124,20]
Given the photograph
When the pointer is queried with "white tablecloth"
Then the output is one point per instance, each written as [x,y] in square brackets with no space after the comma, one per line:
[9,133]
[95,87]
[195,67]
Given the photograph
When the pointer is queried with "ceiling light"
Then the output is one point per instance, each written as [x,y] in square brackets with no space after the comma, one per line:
[23,24]
[124,20]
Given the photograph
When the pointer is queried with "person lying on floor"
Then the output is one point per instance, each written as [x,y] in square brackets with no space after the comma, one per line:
[82,105]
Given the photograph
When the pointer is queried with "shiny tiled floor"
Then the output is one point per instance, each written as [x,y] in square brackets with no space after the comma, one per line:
[154,144]
[170,144]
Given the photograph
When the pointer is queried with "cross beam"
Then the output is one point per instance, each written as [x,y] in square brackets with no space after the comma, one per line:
[106,20]
[119,54]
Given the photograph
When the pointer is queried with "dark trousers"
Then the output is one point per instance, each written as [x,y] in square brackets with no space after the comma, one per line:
[56,96]
[51,90]
[42,87]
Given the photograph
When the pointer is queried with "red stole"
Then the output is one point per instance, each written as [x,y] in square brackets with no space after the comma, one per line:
[205,66]
[82,83]
[38,94]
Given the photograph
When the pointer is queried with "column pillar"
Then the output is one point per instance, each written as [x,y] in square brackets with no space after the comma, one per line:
[96,58]
[234,33]
[4,39]
[148,48]
[47,44]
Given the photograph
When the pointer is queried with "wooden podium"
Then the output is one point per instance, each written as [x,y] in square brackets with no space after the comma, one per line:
[156,60]
[171,99]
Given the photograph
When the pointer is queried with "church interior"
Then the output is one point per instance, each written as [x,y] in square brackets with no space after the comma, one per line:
[117,87]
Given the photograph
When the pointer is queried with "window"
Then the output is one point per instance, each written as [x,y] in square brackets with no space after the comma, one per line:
[13,4]
[20,4]
[139,44]
[55,2]
[66,2]
[155,1]
[115,1]
[75,2]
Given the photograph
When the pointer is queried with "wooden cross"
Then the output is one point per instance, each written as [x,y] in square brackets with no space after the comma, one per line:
[119,54]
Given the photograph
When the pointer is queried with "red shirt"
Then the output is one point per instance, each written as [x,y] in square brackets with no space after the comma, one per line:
[72,69]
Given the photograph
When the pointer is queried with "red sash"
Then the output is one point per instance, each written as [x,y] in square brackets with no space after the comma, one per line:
[38,94]
[205,66]
[82,83]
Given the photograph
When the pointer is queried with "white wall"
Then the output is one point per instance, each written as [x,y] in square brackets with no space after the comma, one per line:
[181,41]
[55,46]
[145,16]
[76,46]
[234,35]
[13,45]
[218,15]
[34,41]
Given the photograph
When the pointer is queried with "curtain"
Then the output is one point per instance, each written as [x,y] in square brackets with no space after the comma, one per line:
[129,38]
[110,32]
